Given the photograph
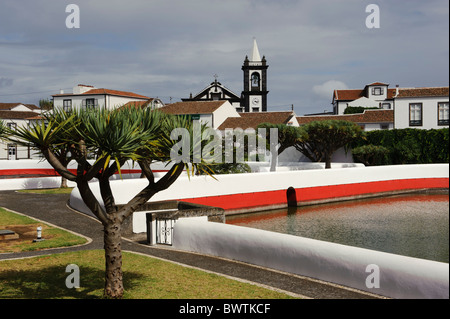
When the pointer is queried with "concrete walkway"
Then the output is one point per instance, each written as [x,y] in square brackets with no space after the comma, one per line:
[53,209]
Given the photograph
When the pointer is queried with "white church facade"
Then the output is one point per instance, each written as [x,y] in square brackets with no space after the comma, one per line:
[253,98]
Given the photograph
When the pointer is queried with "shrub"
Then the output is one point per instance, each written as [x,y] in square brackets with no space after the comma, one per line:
[409,146]
[370,155]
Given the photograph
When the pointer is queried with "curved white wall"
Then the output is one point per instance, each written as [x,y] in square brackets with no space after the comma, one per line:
[197,187]
[399,276]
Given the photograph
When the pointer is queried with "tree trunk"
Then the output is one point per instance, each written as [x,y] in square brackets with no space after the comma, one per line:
[327,161]
[63,182]
[113,259]
[273,162]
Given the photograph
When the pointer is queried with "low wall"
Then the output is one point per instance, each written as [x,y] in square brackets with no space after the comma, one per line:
[376,272]
[35,174]
[238,193]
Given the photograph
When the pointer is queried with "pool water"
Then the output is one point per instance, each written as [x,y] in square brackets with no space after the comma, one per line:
[415,225]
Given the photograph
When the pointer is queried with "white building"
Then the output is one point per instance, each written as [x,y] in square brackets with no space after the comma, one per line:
[86,96]
[16,115]
[425,108]
[212,113]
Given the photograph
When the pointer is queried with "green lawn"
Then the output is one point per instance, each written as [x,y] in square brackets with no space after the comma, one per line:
[144,278]
[44,277]
[26,228]
[66,190]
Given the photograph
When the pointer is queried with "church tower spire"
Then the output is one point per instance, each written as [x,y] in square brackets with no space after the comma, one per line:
[255,57]
[255,91]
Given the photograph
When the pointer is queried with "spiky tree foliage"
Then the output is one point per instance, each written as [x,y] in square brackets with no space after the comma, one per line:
[111,138]
[2,129]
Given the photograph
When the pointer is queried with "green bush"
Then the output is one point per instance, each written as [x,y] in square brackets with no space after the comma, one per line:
[370,155]
[358,109]
[231,168]
[409,146]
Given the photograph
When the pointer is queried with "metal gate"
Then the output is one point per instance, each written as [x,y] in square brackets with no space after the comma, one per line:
[164,231]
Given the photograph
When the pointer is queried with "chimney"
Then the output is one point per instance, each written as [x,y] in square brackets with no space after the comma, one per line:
[81,88]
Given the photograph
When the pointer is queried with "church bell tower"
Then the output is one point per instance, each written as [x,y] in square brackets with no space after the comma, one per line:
[255,91]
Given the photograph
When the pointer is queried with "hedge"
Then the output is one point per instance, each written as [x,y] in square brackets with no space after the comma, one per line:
[406,146]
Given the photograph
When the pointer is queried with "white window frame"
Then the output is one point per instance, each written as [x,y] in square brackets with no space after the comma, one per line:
[443,113]
[415,114]
[67,105]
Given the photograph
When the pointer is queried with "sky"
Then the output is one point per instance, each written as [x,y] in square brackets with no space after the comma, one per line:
[171,48]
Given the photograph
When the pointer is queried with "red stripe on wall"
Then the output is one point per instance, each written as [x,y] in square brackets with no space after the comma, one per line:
[258,199]
[52,172]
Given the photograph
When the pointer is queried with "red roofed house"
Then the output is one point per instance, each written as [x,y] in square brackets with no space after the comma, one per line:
[425,108]
[87,96]
[16,115]
[369,120]
[376,94]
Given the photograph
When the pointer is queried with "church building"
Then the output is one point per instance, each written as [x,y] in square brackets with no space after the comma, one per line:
[254,95]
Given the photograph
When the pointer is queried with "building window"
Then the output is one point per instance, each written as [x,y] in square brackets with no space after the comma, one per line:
[384,126]
[377,91]
[415,114]
[443,113]
[255,109]
[67,105]
[90,103]
[386,106]
[215,96]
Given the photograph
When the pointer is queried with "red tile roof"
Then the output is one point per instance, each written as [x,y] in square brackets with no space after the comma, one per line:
[369,116]
[136,104]
[252,120]
[423,92]
[376,83]
[351,95]
[17,115]
[107,92]
[9,106]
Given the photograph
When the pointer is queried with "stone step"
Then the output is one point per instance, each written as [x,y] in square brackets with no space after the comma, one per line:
[6,234]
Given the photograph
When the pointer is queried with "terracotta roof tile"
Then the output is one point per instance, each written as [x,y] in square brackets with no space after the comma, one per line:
[107,92]
[377,83]
[16,115]
[347,95]
[252,120]
[8,106]
[369,116]
[136,104]
[114,92]
[420,92]
[351,95]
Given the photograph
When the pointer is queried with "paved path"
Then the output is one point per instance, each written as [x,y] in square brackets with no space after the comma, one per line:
[53,209]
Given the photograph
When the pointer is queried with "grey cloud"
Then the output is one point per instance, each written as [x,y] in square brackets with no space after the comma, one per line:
[173,47]
[5,82]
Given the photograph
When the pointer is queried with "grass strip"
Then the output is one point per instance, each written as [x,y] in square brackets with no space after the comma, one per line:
[145,277]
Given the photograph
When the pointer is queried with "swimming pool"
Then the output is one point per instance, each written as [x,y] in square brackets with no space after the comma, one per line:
[415,225]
